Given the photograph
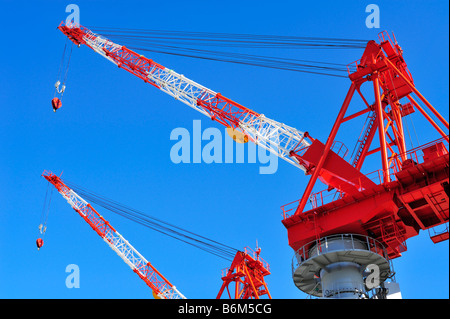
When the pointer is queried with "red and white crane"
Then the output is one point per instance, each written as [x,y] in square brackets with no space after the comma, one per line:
[275,137]
[410,193]
[161,287]
[247,269]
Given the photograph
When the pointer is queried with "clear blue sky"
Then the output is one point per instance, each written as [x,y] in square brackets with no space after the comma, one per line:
[112,136]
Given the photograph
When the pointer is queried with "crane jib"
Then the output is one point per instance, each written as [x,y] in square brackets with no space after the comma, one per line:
[271,135]
[284,141]
[161,287]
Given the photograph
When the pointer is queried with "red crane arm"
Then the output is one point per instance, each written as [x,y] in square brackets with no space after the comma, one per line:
[161,287]
[411,189]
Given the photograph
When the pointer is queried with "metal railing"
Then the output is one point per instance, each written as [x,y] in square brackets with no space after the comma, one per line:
[321,246]
[325,196]
[250,252]
[347,242]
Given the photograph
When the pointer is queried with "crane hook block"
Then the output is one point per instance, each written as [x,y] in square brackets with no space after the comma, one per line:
[39,243]
[56,104]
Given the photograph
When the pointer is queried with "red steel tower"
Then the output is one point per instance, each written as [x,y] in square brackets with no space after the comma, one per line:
[362,220]
[247,272]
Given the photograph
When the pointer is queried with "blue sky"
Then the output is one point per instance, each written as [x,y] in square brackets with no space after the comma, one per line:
[112,136]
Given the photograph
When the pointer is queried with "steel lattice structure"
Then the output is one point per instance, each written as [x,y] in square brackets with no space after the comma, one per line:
[273,136]
[411,192]
[160,286]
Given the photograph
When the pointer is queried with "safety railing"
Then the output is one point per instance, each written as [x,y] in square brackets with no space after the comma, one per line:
[255,255]
[384,36]
[320,198]
[322,246]
[397,162]
[340,149]
[417,154]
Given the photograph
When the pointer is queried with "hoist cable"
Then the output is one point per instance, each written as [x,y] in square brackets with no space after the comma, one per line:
[192,45]
[61,66]
[158,225]
[191,238]
[236,43]
[45,211]
[68,63]
[231,37]
[250,57]
[62,60]
[252,63]
[44,206]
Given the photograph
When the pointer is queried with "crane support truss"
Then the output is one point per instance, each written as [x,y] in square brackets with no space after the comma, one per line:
[409,193]
[247,272]
[278,138]
[402,207]
[161,287]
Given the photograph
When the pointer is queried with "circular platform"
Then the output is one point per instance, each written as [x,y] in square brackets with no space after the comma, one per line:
[315,256]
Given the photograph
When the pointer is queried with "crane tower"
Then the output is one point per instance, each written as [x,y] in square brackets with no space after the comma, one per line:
[365,220]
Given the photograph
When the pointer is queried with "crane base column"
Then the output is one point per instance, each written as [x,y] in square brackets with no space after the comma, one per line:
[342,280]
[337,266]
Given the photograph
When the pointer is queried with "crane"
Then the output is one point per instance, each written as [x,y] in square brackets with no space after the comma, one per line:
[415,188]
[346,230]
[376,212]
[286,142]
[247,269]
[161,287]
[247,272]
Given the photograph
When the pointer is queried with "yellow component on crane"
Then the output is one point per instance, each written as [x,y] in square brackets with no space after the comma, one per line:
[237,136]
[156,296]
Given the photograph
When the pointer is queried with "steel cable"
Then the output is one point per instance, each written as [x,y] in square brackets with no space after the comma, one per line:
[191,44]
[191,238]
